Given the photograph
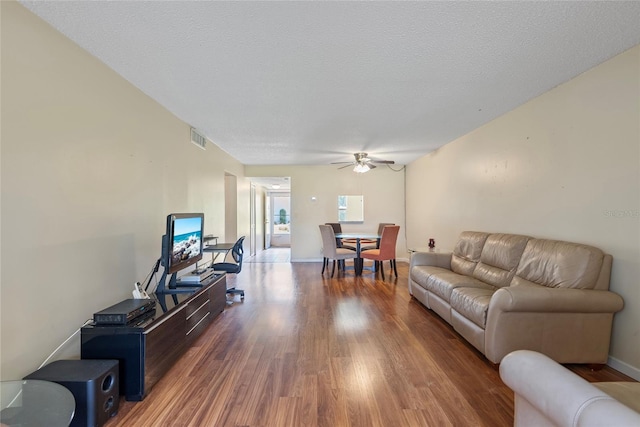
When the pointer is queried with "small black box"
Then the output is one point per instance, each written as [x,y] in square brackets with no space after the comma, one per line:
[123,312]
[93,383]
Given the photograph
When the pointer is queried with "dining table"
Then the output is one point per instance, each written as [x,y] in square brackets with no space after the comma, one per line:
[358,237]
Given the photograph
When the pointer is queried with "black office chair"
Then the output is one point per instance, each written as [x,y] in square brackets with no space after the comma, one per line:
[235,268]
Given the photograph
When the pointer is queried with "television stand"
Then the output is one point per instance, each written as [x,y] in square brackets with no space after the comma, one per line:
[147,351]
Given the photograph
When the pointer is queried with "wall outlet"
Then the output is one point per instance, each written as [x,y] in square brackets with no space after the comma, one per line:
[138,292]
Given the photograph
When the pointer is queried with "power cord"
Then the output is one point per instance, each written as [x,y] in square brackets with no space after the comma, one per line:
[65,341]
[396,170]
[151,274]
[51,355]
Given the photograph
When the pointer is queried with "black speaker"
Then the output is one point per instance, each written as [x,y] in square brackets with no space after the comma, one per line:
[93,383]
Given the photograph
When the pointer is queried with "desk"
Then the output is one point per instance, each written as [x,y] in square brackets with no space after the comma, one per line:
[208,238]
[217,249]
[36,403]
[357,262]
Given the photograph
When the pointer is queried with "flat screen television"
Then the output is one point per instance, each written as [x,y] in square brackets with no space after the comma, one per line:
[182,244]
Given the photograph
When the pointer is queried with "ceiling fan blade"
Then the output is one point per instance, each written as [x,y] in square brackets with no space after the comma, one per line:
[363,159]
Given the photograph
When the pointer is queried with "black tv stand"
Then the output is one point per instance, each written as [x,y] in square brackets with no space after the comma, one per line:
[148,350]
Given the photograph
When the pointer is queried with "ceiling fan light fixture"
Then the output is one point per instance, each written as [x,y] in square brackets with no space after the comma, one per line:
[363,163]
[361,168]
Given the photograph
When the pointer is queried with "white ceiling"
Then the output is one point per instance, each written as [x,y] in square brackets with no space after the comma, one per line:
[312,82]
[273,184]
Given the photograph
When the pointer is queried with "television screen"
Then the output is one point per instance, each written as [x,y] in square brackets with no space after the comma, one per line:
[184,240]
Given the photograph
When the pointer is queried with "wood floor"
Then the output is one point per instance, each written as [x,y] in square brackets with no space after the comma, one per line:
[307,350]
[273,254]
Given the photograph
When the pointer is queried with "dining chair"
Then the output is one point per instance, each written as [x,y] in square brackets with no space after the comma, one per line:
[331,251]
[374,244]
[337,229]
[386,251]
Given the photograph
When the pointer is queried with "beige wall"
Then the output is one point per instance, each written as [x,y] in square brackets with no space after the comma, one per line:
[382,188]
[565,165]
[90,167]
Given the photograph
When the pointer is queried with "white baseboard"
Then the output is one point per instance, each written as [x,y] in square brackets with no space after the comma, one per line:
[623,367]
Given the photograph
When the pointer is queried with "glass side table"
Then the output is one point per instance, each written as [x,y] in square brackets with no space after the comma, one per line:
[35,403]
[426,249]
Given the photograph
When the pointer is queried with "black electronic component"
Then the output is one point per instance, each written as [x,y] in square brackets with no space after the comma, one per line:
[93,383]
[125,312]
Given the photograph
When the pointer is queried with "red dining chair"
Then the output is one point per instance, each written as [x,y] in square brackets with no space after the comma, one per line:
[387,250]
[374,244]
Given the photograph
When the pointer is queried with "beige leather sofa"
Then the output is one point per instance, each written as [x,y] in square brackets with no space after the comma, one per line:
[548,394]
[506,292]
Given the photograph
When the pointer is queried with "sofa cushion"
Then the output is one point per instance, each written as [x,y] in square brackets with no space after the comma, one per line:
[467,252]
[442,284]
[472,303]
[499,259]
[559,264]
[420,273]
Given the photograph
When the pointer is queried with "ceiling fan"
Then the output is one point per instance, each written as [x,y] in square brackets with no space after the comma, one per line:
[363,163]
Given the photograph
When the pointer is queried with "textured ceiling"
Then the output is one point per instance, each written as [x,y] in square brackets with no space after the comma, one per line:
[313,82]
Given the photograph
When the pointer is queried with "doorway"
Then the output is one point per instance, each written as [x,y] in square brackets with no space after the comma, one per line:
[272,210]
[253,215]
[230,208]
[280,204]
[267,223]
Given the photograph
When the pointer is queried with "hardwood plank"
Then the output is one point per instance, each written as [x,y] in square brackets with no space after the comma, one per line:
[304,349]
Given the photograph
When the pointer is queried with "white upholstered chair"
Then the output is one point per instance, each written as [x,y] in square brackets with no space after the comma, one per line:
[330,250]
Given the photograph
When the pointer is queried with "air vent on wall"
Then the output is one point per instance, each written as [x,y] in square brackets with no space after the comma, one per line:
[198,139]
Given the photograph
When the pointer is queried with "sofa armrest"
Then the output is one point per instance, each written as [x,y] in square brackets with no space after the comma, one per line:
[569,325]
[546,393]
[434,259]
[555,300]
